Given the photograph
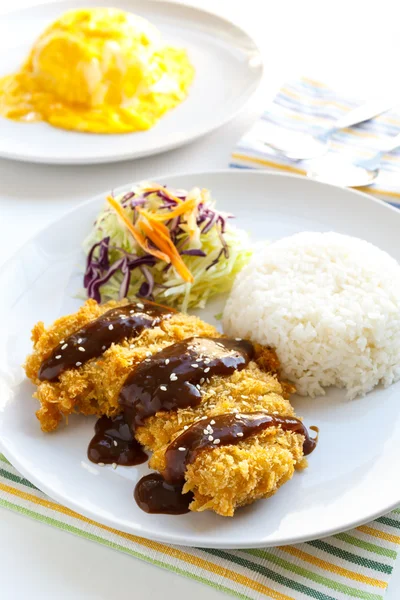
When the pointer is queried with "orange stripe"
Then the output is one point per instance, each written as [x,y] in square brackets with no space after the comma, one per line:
[168,550]
[323,564]
[389,537]
[267,163]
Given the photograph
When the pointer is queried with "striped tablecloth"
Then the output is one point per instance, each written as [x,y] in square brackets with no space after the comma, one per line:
[311,107]
[354,564]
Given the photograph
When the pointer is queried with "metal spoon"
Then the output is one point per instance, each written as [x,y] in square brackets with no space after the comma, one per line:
[303,146]
[337,170]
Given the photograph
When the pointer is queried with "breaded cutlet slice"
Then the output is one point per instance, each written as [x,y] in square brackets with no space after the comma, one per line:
[93,388]
[226,477]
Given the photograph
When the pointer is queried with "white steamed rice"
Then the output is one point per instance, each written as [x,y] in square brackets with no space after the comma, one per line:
[330,306]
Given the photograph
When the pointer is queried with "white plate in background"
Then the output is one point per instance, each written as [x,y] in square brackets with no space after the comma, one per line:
[228,71]
[350,478]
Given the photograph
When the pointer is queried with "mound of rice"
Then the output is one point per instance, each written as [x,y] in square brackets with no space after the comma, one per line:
[329,304]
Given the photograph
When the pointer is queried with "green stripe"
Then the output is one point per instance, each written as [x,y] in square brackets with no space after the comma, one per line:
[3,458]
[350,557]
[262,570]
[105,542]
[396,510]
[349,539]
[298,570]
[16,479]
[388,521]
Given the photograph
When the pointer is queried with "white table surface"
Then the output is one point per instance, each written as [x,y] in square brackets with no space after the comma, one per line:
[36,560]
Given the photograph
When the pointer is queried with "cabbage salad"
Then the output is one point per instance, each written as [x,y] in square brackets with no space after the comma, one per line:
[169,246]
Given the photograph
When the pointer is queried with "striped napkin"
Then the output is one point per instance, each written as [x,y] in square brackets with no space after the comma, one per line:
[311,107]
[354,564]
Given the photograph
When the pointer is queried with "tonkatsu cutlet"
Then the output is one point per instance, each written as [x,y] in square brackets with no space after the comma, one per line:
[176,379]
[92,388]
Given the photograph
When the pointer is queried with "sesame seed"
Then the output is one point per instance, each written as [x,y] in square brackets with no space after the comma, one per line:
[104,347]
[205,431]
[238,339]
[199,359]
[81,349]
[80,341]
[212,422]
[132,312]
[206,369]
[64,346]
[147,360]
[148,353]
[206,361]
[194,365]
[58,356]
[78,364]
[210,438]
[181,449]
[185,427]
[198,386]
[202,380]
[114,465]
[140,305]
[167,361]
[111,327]
[163,388]
[173,377]
[62,341]
[216,441]
[208,381]
[203,418]
[101,464]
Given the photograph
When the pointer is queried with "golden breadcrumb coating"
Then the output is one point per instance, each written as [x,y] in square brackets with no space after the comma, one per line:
[221,478]
[93,389]
[226,477]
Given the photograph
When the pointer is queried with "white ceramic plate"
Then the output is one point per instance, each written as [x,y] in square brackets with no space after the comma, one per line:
[350,478]
[228,71]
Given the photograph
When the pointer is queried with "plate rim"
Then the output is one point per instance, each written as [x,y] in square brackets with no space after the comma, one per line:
[134,529]
[135,155]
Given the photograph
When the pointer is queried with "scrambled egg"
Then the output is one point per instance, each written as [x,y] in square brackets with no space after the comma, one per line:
[99,70]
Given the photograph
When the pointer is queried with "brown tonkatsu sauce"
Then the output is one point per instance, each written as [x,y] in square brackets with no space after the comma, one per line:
[172,378]
[220,430]
[166,381]
[95,338]
[223,430]
[113,443]
[155,495]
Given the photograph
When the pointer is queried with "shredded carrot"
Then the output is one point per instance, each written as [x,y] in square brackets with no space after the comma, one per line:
[158,233]
[185,206]
[139,238]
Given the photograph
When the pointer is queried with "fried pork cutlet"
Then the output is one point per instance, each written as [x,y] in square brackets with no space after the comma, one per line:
[220,478]
[93,388]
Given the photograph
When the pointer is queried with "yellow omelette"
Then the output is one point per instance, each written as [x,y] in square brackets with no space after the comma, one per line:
[99,70]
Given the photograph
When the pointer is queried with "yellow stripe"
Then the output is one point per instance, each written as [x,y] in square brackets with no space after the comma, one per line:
[323,564]
[314,101]
[193,560]
[395,539]
[378,192]
[315,83]
[267,163]
[289,169]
